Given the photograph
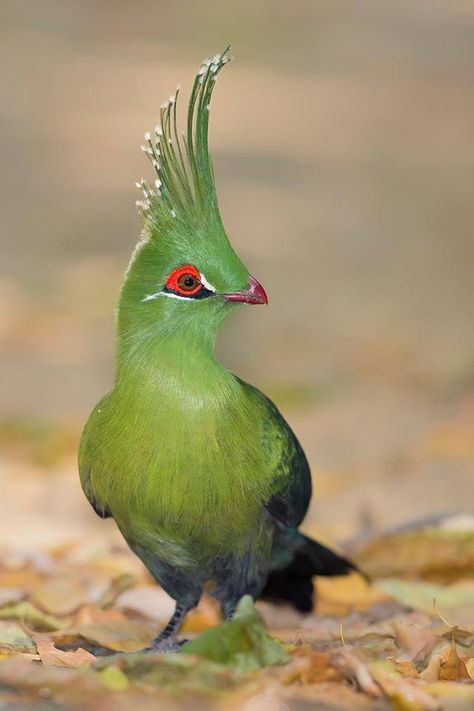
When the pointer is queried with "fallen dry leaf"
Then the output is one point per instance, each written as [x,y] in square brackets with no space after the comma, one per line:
[29,615]
[51,656]
[203,617]
[13,638]
[111,629]
[148,600]
[404,668]
[74,687]
[404,693]
[329,696]
[10,595]
[416,641]
[340,595]
[452,695]
[308,666]
[59,595]
[87,601]
[241,643]
[452,668]
[440,551]
[268,700]
[117,586]
[431,671]
[175,672]
[200,622]
[350,662]
[18,579]
[454,603]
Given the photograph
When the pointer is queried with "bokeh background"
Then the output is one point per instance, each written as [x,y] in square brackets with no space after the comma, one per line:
[343,145]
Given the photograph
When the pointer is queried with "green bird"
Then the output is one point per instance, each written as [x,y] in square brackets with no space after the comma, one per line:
[202,474]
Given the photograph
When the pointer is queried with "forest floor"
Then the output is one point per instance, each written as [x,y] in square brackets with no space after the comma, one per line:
[76,606]
[342,142]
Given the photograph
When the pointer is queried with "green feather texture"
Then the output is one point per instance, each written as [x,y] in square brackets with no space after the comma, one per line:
[184,187]
[198,469]
[182,223]
[164,449]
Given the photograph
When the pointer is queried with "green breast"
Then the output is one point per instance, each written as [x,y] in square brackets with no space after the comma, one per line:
[189,470]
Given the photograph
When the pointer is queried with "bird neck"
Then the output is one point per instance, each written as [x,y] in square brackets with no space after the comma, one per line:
[170,360]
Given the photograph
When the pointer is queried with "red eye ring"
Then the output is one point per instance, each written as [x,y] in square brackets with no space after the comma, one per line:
[185,281]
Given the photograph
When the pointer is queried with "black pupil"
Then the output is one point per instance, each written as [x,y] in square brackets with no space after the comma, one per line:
[187,282]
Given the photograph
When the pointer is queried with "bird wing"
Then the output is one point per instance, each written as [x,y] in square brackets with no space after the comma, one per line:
[291,486]
[86,465]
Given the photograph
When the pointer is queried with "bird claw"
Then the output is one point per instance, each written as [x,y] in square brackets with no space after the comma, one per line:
[165,645]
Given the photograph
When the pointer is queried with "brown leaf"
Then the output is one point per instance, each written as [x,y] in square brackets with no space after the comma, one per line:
[203,617]
[9,595]
[438,551]
[341,595]
[309,667]
[149,600]
[452,667]
[51,656]
[26,613]
[59,595]
[405,694]
[453,603]
[415,641]
[13,638]
[118,585]
[111,629]
[431,673]
[268,700]
[352,665]
[14,579]
[405,668]
[455,696]
[75,688]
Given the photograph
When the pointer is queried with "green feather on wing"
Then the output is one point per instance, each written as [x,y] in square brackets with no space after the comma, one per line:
[291,488]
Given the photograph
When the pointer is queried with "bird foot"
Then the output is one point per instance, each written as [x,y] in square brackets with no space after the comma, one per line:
[165,645]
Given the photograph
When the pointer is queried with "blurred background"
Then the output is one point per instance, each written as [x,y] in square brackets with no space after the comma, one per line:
[343,145]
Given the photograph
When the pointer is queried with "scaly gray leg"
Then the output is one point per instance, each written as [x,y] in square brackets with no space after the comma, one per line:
[166,640]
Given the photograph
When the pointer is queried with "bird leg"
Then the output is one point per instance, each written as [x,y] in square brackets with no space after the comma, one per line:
[228,612]
[166,640]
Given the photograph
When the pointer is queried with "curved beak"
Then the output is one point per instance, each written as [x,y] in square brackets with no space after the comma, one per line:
[254,294]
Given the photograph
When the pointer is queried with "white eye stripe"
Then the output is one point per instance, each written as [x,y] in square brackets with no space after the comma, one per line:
[149,297]
[168,294]
[205,283]
[171,295]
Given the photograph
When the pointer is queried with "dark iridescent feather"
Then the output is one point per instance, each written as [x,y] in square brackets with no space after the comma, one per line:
[296,559]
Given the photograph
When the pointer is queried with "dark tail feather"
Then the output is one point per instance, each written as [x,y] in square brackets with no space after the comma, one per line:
[325,561]
[292,582]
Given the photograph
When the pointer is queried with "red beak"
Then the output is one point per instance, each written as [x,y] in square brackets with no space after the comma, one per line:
[255,294]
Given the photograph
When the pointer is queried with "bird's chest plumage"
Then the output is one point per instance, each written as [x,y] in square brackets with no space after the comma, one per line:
[195,475]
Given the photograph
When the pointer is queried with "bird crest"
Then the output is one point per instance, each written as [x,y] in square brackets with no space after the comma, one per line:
[184,188]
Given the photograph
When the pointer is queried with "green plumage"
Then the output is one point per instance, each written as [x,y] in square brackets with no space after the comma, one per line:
[200,471]
[187,462]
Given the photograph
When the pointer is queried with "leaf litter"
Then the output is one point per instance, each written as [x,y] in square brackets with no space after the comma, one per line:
[73,622]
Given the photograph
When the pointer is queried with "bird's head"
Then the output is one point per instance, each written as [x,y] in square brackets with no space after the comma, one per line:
[184,272]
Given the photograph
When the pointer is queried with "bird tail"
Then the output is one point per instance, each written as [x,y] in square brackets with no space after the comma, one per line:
[296,559]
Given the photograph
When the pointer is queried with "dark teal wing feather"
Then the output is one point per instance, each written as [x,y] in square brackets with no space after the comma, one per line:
[292,476]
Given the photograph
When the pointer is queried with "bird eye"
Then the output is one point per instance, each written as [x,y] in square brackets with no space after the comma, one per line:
[184,281]
[188,282]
